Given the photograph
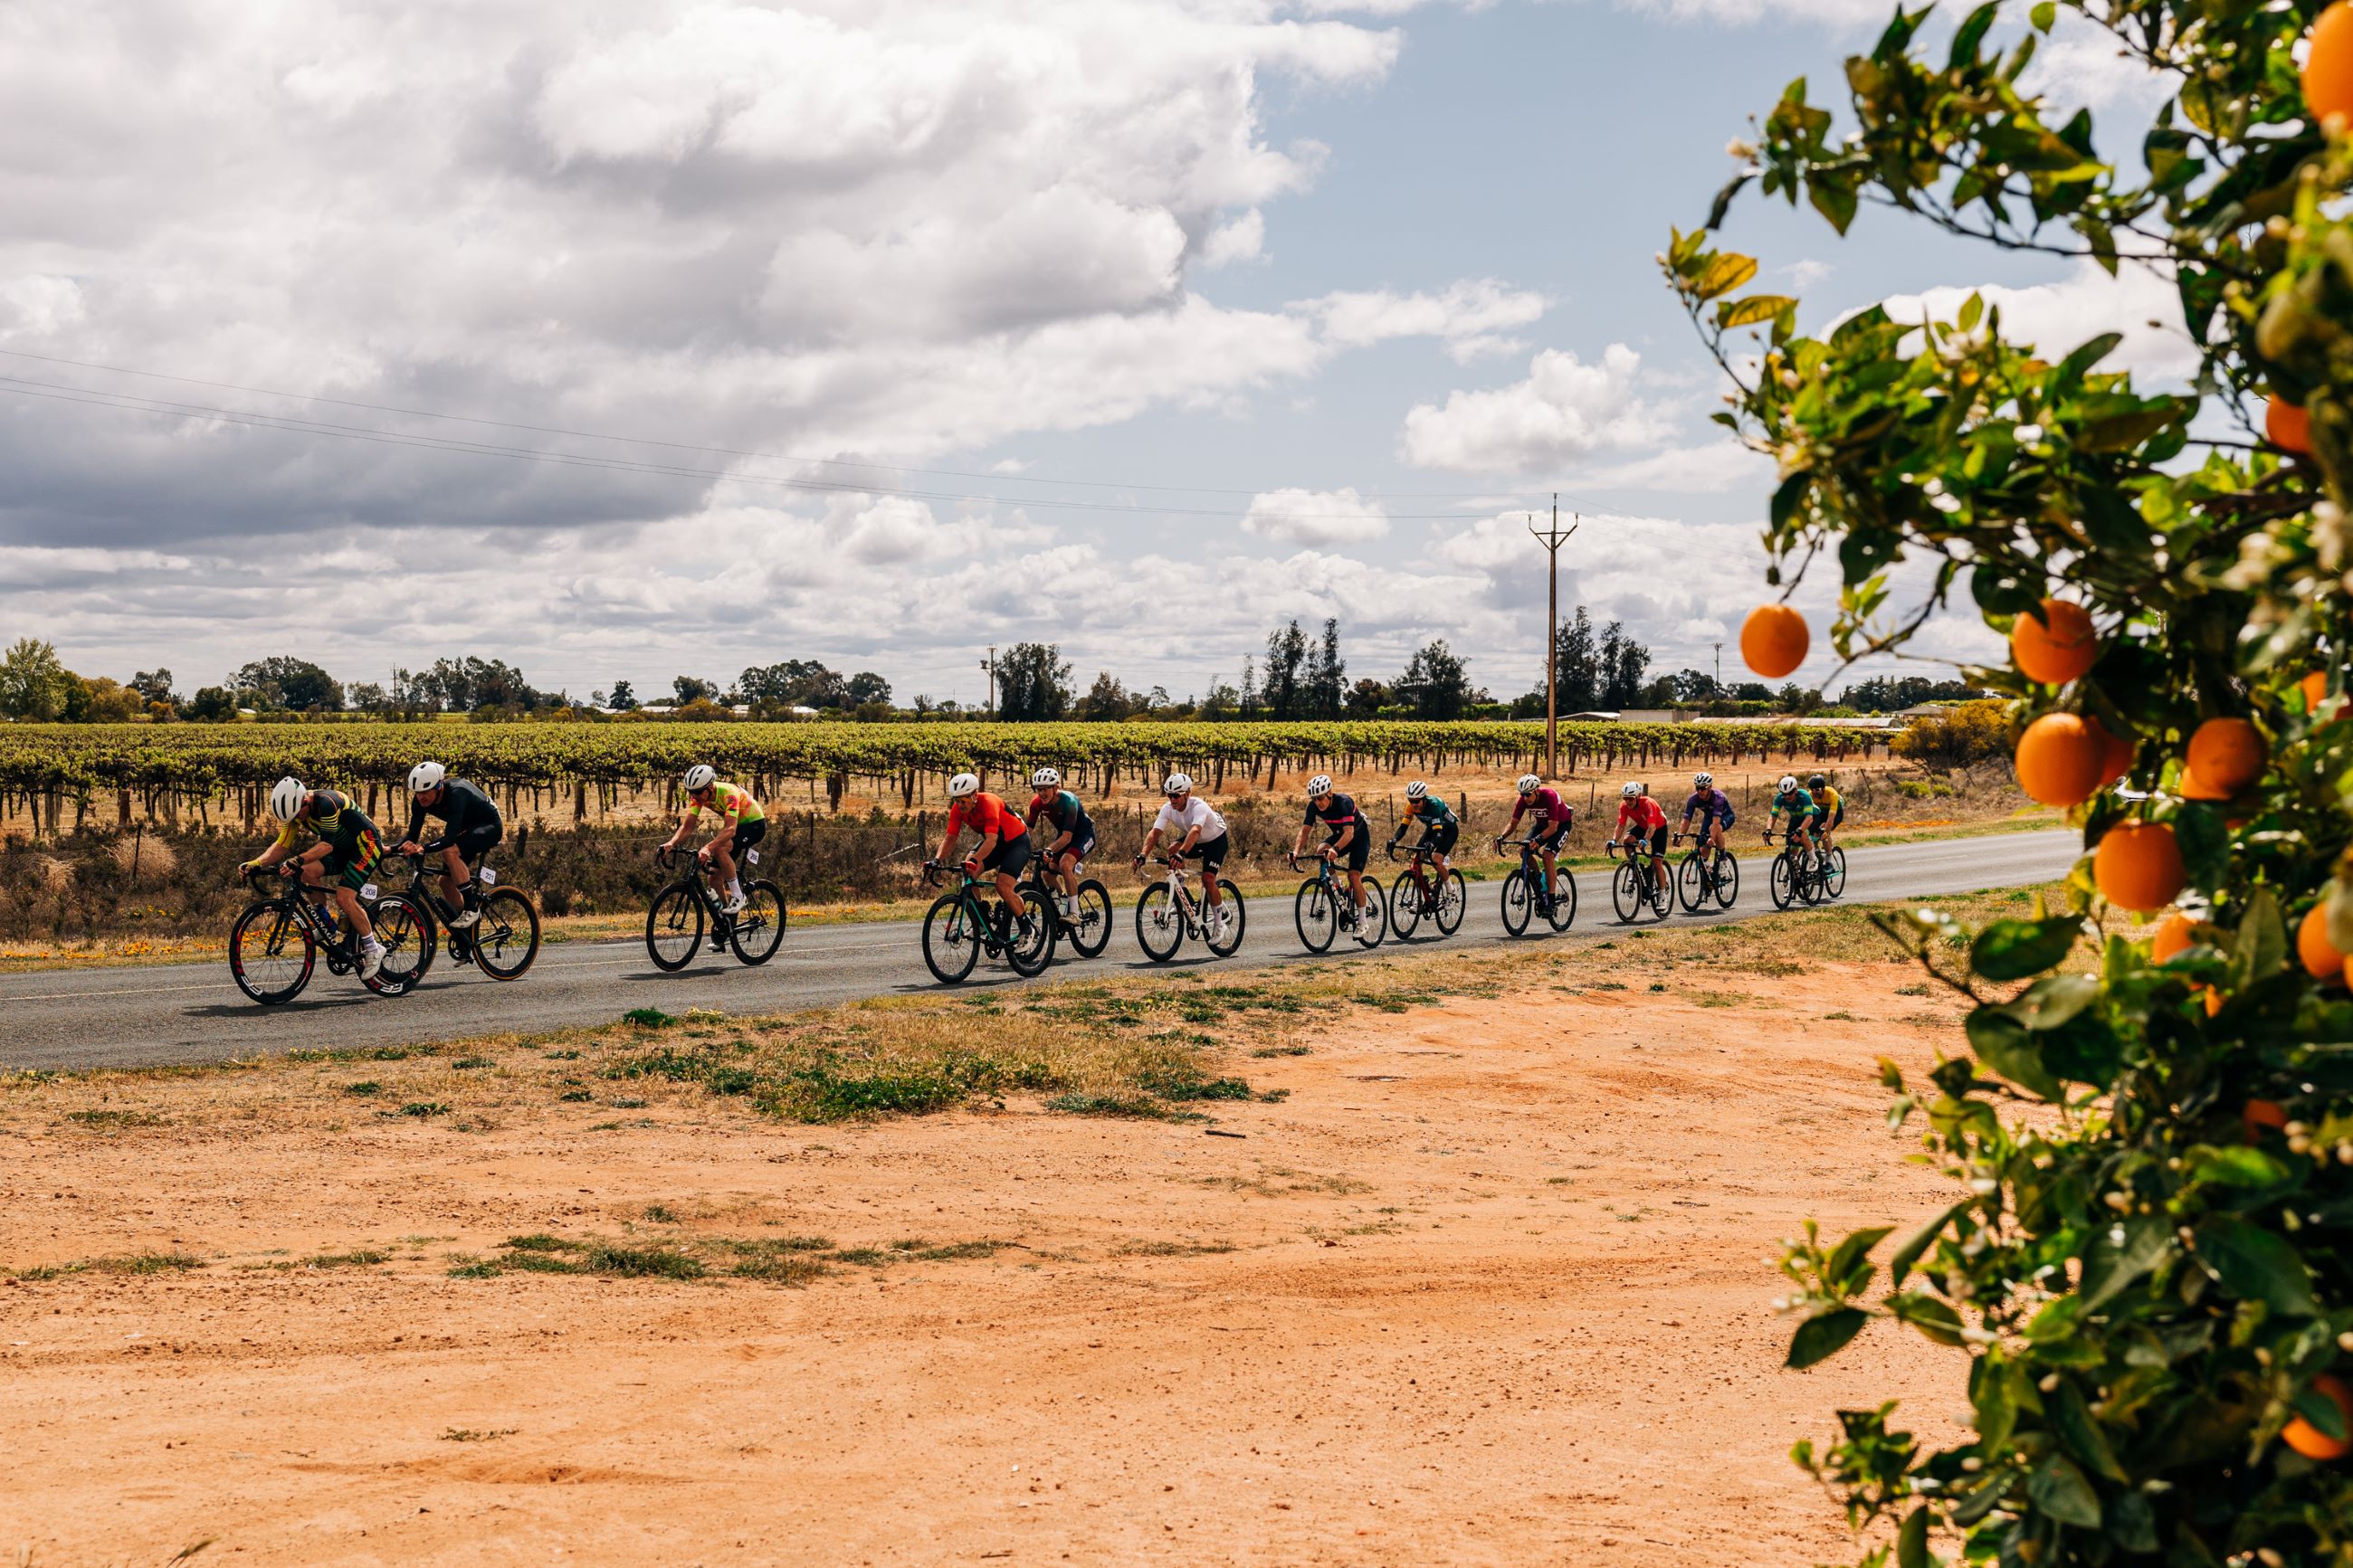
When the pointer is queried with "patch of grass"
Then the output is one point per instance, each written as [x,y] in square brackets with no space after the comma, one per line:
[659,1214]
[538,1263]
[647,1018]
[1265,1051]
[473,1062]
[365,1087]
[562,1055]
[540,1242]
[363,1258]
[114,1119]
[1169,1249]
[471,1434]
[388,1054]
[464,1267]
[1137,1106]
[781,1269]
[627,1104]
[136,1263]
[1840,1018]
[576,1096]
[425,1108]
[642,1262]
[1717,998]
[1919,990]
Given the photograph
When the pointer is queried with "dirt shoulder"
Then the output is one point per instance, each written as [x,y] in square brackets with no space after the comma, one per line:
[1485,1278]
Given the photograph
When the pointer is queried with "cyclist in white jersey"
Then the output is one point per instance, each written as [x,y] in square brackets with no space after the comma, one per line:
[1192,826]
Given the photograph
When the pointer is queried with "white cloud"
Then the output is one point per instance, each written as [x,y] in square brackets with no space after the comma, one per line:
[1712,469]
[2139,302]
[1566,409]
[1314,517]
[2081,63]
[1243,239]
[1468,316]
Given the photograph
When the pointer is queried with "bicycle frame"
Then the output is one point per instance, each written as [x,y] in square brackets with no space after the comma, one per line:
[973,910]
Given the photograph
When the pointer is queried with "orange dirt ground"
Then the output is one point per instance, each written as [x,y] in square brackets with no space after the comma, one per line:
[1497,1292]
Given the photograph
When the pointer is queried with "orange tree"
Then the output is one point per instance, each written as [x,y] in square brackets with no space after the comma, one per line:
[2148,1262]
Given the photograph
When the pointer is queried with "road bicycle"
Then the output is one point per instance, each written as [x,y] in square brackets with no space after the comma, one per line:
[1322,912]
[1524,894]
[1416,895]
[1087,928]
[278,940]
[1706,875]
[1166,913]
[501,943]
[676,919]
[959,927]
[1797,876]
[1637,885]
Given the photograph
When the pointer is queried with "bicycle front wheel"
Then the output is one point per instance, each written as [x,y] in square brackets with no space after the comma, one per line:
[1316,915]
[1834,874]
[1223,943]
[506,939]
[270,955]
[1090,923]
[1031,955]
[1626,892]
[1405,908]
[1453,898]
[1159,924]
[759,929]
[951,938]
[1784,883]
[674,928]
[1727,879]
[407,932]
[1563,900]
[1519,901]
[1691,883]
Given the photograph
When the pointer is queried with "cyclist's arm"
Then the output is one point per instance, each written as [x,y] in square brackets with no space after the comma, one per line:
[1347,834]
[277,851]
[726,825]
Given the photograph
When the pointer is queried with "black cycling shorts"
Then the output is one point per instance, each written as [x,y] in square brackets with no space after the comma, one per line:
[1212,852]
[1358,853]
[1440,840]
[1658,841]
[1008,857]
[1082,839]
[1549,839]
[472,843]
[746,834]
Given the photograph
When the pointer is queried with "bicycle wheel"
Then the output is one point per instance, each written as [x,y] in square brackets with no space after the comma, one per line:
[1727,879]
[674,928]
[407,932]
[1784,883]
[1563,900]
[1626,892]
[951,938]
[1661,898]
[506,939]
[1372,920]
[1317,916]
[270,956]
[1405,908]
[1834,874]
[1231,901]
[1089,927]
[1806,876]
[1453,898]
[759,930]
[1519,901]
[1159,924]
[1691,883]
[1030,955]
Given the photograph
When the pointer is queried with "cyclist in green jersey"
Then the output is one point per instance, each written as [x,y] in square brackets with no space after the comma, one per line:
[1440,827]
[741,824]
[1800,804]
[341,857]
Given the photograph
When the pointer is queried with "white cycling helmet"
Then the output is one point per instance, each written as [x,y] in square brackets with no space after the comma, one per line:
[1702,781]
[1320,785]
[1045,778]
[425,776]
[964,784]
[285,798]
[1530,784]
[1788,783]
[1417,790]
[1629,789]
[700,777]
[1177,783]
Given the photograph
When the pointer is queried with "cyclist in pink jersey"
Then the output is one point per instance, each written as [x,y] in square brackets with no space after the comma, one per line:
[1553,817]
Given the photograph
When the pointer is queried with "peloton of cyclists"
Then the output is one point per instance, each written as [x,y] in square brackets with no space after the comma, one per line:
[1347,834]
[1440,827]
[343,854]
[473,828]
[1640,818]
[1711,807]
[1191,825]
[1003,847]
[1074,833]
[741,824]
[1552,817]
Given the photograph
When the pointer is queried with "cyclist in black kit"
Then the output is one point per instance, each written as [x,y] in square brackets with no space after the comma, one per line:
[473,828]
[1349,835]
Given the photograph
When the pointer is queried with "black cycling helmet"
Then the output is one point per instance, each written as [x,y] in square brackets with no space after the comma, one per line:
[1817,782]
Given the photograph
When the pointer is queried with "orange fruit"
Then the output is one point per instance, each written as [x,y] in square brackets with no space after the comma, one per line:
[2057,652]
[2058,759]
[2315,693]
[2117,760]
[2321,959]
[2137,867]
[2328,65]
[1773,639]
[2287,427]
[2175,935]
[2301,1435]
[2228,754]
[2258,1114]
[2212,998]
[2192,787]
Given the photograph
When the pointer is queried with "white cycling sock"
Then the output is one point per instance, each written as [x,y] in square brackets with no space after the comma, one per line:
[734,887]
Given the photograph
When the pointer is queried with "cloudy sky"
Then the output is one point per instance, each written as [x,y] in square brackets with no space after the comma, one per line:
[622,340]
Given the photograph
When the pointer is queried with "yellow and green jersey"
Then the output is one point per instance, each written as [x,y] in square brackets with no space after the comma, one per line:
[729,801]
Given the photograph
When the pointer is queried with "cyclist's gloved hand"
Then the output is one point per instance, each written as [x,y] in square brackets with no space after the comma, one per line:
[971,867]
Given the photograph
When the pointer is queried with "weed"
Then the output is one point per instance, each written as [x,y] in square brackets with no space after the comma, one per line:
[473,1062]
[660,1214]
[464,1267]
[1840,1018]
[1918,990]
[1265,1051]
[425,1108]
[647,1018]
[388,1054]
[562,1055]
[114,1119]
[469,1435]
[540,1243]
[576,1096]
[642,1262]
[1169,1249]
[365,1087]
[627,1104]
[363,1258]
[1135,1106]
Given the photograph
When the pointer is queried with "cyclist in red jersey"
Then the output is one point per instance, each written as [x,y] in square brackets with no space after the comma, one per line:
[1004,847]
[1639,816]
[1553,817]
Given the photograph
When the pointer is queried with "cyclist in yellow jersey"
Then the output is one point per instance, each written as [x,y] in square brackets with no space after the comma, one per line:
[1830,810]
[340,855]
[741,824]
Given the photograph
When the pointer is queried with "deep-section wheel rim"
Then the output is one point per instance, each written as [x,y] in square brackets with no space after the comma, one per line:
[407,932]
[270,956]
[1519,899]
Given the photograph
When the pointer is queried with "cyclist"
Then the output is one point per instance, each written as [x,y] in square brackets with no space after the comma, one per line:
[1074,834]
[1711,807]
[1829,811]
[1192,826]
[1800,804]
[1440,825]
[473,830]
[1638,818]
[1004,847]
[1553,818]
[1346,832]
[343,854]
[741,824]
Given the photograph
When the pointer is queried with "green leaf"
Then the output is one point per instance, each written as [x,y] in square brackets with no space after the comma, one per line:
[1820,1337]
[1749,311]
[2005,1048]
[1834,197]
[2205,844]
[2260,948]
[2255,1266]
[2132,1523]
[2322,1412]
[1932,1317]
[1721,276]
[1970,34]
[2050,1003]
[1850,1253]
[2071,370]
[2235,1166]
[1922,1240]
[2061,1491]
[2110,1265]
[1993,1401]
[2073,1420]
[1912,1541]
[2013,950]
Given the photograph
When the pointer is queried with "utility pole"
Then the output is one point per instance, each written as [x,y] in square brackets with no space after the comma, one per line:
[1551,539]
[1719,669]
[989,664]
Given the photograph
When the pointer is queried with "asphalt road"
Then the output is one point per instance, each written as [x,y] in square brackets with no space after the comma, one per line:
[162,1015]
